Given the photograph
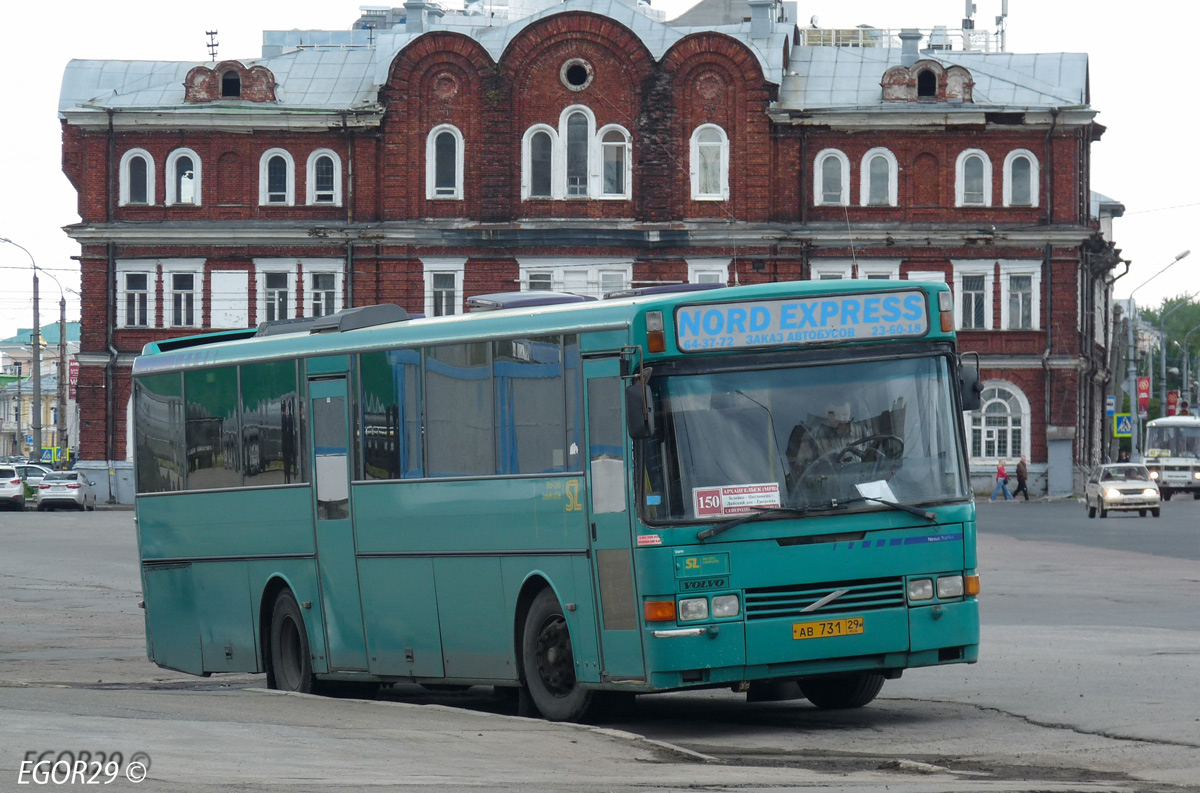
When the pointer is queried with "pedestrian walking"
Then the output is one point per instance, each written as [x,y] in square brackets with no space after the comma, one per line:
[1022,478]
[1001,483]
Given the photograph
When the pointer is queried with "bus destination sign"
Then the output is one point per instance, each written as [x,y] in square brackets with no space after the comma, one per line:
[802,320]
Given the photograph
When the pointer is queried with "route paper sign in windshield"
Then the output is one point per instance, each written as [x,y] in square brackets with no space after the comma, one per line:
[804,320]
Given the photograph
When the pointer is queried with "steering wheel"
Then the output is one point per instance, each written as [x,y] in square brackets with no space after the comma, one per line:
[873,449]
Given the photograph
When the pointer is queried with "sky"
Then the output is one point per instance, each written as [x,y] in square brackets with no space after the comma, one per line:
[1140,84]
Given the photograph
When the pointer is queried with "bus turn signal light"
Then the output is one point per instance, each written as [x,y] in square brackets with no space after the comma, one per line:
[660,610]
[971,584]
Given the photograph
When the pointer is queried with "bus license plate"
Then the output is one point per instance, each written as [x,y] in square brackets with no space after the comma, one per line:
[827,628]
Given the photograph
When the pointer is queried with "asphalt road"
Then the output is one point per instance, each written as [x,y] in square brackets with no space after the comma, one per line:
[1091,647]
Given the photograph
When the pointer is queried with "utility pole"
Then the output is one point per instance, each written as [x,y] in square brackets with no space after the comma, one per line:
[20,432]
[37,373]
[63,370]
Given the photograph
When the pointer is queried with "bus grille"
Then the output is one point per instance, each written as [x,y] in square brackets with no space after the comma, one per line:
[789,601]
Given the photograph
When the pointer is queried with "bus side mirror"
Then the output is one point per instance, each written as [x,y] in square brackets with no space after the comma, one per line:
[972,389]
[639,412]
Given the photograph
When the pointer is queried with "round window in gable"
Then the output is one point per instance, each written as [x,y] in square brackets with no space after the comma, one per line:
[576,74]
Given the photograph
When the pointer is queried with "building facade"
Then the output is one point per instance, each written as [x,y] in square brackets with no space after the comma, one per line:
[589,147]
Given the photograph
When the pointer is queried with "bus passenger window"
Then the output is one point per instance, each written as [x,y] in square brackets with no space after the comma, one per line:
[391,414]
[530,410]
[460,431]
[211,429]
[271,450]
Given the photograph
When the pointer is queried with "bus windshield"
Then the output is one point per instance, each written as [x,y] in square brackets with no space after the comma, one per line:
[1173,442]
[801,437]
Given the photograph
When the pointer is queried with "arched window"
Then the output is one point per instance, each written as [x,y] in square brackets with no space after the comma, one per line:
[927,83]
[973,182]
[879,178]
[276,178]
[323,182]
[444,163]
[1021,177]
[577,155]
[999,429]
[137,177]
[231,85]
[183,177]
[541,164]
[832,178]
[615,162]
[709,163]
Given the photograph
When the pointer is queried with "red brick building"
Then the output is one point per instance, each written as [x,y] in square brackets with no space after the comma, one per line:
[588,148]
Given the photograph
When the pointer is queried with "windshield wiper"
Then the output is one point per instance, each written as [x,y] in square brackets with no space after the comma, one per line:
[832,504]
[721,528]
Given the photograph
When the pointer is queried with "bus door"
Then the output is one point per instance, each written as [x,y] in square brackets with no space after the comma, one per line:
[334,529]
[608,516]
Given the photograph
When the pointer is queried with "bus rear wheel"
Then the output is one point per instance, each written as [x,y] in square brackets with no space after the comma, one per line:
[548,662]
[843,691]
[290,660]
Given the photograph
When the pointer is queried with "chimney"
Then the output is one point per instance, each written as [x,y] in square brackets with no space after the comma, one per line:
[910,40]
[420,15]
[762,18]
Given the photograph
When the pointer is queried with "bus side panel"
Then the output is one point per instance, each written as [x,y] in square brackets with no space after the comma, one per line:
[400,612]
[476,638]
[299,575]
[227,635]
[226,523]
[171,620]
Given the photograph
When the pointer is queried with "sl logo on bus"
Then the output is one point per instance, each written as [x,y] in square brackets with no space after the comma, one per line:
[573,504]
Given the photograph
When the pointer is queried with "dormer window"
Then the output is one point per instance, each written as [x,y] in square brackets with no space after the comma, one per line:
[231,85]
[927,84]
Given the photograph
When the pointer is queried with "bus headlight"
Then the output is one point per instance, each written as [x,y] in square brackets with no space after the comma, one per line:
[1196,475]
[693,609]
[950,586]
[726,606]
[1154,474]
[920,589]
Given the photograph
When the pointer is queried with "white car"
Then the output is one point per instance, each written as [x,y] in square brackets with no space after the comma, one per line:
[12,489]
[1122,486]
[65,489]
[31,473]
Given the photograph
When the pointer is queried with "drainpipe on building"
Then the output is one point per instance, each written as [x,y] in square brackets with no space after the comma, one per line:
[110,411]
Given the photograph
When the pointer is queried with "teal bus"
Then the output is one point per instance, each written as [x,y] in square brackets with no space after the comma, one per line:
[747,487]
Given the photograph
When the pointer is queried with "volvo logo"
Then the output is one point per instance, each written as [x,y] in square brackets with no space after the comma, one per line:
[707,583]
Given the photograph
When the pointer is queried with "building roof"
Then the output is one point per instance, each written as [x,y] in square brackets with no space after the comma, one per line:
[850,77]
[49,335]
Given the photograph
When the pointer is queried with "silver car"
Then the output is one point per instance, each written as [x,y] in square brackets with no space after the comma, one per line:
[31,473]
[65,489]
[12,489]
[1124,487]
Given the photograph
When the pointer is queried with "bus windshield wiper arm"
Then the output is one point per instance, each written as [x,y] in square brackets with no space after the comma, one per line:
[721,528]
[920,513]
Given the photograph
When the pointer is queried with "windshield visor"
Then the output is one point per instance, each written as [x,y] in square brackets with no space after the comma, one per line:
[730,443]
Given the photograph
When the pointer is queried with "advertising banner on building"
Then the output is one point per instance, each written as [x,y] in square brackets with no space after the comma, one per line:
[1143,395]
[1172,403]
[72,378]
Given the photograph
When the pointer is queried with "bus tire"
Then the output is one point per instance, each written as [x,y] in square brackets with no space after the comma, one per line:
[548,662]
[843,691]
[290,658]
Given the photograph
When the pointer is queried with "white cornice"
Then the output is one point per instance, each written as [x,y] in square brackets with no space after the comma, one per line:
[885,118]
[292,119]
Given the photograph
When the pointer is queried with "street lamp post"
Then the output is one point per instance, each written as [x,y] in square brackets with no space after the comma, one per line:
[1162,335]
[1187,379]
[1132,370]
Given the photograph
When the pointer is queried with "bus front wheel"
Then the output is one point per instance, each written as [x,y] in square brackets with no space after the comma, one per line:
[291,663]
[843,691]
[549,662]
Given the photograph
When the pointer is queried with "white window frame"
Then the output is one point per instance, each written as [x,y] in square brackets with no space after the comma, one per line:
[842,268]
[125,191]
[628,163]
[558,178]
[263,191]
[960,184]
[969,268]
[593,155]
[818,180]
[591,268]
[694,164]
[719,267]
[936,276]
[261,268]
[193,267]
[336,267]
[1035,179]
[431,163]
[1026,429]
[310,181]
[138,267]
[197,177]
[865,177]
[1030,267]
[444,265]
[889,268]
